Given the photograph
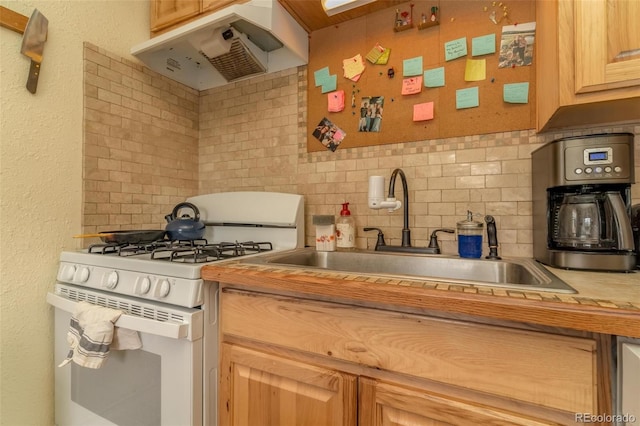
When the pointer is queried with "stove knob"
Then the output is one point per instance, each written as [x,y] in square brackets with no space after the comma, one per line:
[143,285]
[67,272]
[163,288]
[81,275]
[112,280]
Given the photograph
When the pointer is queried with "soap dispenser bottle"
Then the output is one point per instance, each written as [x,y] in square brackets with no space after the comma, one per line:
[470,237]
[345,229]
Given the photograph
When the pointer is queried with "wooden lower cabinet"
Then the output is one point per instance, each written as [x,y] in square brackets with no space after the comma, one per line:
[263,389]
[293,361]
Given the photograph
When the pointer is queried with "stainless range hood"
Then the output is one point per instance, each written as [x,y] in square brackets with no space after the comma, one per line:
[237,42]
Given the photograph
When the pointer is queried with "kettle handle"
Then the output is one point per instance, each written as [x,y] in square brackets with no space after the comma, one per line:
[625,234]
[176,209]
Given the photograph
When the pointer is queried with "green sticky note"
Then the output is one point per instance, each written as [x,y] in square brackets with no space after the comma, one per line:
[434,77]
[321,76]
[516,93]
[455,49]
[330,84]
[483,45]
[467,98]
[412,67]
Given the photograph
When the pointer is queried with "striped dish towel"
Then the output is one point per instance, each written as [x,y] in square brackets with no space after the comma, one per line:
[91,332]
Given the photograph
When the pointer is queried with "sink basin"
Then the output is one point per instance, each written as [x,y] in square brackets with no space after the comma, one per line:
[514,273]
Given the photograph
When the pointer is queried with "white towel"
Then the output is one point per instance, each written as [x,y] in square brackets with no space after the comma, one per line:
[125,339]
[91,332]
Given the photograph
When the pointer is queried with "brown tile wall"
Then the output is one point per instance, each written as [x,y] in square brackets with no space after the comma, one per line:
[253,137]
[140,144]
[151,142]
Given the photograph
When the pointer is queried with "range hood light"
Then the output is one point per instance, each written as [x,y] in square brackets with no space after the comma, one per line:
[333,7]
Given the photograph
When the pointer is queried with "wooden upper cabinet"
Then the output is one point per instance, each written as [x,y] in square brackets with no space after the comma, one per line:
[168,14]
[165,13]
[607,45]
[587,63]
[212,5]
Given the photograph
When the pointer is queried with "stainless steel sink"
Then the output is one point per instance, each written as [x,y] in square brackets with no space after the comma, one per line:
[514,273]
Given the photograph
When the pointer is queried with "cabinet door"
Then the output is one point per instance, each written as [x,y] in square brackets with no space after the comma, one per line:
[607,44]
[384,404]
[629,364]
[211,5]
[262,389]
[165,13]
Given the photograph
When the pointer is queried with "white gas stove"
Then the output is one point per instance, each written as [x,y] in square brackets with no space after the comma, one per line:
[237,224]
[172,379]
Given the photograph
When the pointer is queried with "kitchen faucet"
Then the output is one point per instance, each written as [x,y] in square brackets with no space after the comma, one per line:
[406,233]
[376,202]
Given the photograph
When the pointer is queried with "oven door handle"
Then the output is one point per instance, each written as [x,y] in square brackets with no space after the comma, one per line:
[143,325]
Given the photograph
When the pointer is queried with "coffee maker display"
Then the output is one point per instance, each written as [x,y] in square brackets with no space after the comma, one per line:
[582,203]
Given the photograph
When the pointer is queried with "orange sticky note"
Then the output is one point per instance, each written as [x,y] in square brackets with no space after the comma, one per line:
[412,85]
[422,112]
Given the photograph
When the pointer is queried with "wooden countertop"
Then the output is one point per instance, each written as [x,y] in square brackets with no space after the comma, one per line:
[606,303]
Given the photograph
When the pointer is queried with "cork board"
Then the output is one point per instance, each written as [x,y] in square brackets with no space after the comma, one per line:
[457,19]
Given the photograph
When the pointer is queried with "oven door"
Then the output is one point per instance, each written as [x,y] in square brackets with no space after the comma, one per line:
[159,384]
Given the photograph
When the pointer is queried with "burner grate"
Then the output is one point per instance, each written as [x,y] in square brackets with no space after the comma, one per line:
[183,251]
[125,249]
[191,252]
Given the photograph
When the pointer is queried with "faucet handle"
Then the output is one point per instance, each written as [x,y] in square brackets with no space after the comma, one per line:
[433,241]
[380,242]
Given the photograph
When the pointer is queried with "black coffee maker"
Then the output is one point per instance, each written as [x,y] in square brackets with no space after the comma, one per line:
[582,203]
[635,227]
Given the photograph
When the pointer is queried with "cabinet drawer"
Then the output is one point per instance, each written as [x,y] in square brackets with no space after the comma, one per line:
[389,404]
[545,369]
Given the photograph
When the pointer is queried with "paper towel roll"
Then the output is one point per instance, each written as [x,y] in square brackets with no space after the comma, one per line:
[216,45]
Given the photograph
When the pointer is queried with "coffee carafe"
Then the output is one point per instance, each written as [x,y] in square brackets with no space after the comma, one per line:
[582,203]
[591,221]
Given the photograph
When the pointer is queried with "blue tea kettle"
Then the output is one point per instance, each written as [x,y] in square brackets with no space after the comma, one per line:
[185,227]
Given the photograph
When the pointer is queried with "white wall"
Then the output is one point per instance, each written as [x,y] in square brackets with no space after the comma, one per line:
[41,183]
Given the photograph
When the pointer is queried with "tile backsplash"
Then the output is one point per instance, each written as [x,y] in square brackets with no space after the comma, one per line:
[140,144]
[252,137]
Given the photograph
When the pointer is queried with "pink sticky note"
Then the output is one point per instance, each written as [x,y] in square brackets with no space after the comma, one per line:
[335,101]
[422,112]
[411,85]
